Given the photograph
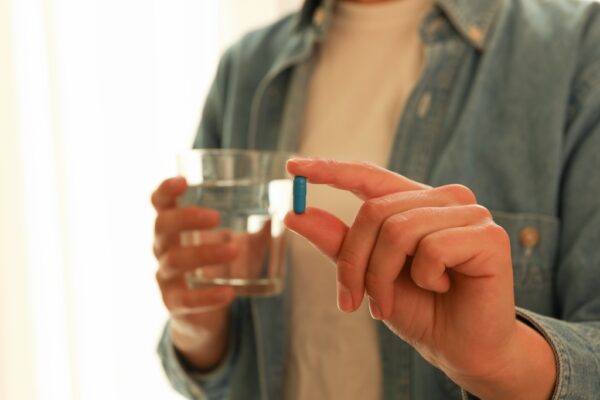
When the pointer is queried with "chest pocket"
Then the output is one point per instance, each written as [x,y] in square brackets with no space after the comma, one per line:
[534,242]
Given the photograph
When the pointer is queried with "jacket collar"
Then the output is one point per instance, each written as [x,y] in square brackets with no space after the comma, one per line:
[472,18]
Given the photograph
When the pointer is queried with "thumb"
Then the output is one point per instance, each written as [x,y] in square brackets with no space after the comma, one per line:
[324,230]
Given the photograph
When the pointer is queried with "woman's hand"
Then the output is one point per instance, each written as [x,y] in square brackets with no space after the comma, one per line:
[435,268]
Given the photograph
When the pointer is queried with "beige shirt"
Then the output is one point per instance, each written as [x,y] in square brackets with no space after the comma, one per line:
[366,68]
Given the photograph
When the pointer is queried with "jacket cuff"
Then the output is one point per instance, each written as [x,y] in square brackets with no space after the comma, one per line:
[576,350]
[190,383]
[536,322]
[576,347]
[547,329]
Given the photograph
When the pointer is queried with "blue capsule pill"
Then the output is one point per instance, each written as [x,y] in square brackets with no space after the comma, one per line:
[299,194]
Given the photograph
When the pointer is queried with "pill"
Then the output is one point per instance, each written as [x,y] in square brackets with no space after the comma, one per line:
[299,194]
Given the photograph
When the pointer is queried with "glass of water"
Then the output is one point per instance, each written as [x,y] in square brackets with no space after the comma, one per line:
[252,192]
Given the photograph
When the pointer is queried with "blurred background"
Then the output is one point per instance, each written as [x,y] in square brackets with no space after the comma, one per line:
[96,99]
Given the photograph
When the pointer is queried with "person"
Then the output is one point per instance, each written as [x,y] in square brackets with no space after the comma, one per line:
[474,236]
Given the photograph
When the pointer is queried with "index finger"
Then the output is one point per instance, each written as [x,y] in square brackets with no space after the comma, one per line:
[365,180]
[166,194]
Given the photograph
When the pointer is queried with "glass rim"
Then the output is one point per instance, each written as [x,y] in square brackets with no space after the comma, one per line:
[257,165]
[231,151]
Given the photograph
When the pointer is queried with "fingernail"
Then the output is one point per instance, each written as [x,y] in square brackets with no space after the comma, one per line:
[374,308]
[300,159]
[344,299]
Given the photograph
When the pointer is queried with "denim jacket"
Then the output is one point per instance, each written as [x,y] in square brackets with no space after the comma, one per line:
[508,104]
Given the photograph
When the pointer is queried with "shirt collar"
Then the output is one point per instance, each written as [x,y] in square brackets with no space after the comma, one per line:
[472,18]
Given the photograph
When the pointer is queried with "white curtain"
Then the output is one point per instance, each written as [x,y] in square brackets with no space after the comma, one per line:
[96,98]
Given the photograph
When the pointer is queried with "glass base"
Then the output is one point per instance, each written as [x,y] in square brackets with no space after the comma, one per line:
[242,287]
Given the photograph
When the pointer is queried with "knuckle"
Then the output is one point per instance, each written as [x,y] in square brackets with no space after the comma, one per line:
[171,299]
[460,193]
[419,275]
[328,162]
[153,199]
[415,273]
[367,169]
[159,278]
[167,285]
[157,248]
[395,228]
[162,195]
[373,280]
[367,165]
[432,249]
[370,211]
[481,211]
[497,234]
[399,233]
[347,265]
[159,223]
[156,197]
[169,260]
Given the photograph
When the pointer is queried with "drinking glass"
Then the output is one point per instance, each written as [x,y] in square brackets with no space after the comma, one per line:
[252,192]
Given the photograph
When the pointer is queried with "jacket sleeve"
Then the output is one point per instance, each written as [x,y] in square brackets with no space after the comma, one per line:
[192,384]
[575,337]
[575,332]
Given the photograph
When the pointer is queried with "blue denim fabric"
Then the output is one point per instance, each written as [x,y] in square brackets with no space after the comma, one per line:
[508,105]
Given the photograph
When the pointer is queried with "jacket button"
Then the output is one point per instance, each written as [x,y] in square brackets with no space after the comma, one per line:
[319,17]
[529,237]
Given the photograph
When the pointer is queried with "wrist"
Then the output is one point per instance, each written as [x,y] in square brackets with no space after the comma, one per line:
[201,339]
[528,372]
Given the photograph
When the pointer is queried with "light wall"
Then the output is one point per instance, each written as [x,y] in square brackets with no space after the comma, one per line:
[96,99]
[16,357]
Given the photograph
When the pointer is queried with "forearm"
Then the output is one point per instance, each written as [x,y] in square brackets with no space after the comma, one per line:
[202,341]
[529,371]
